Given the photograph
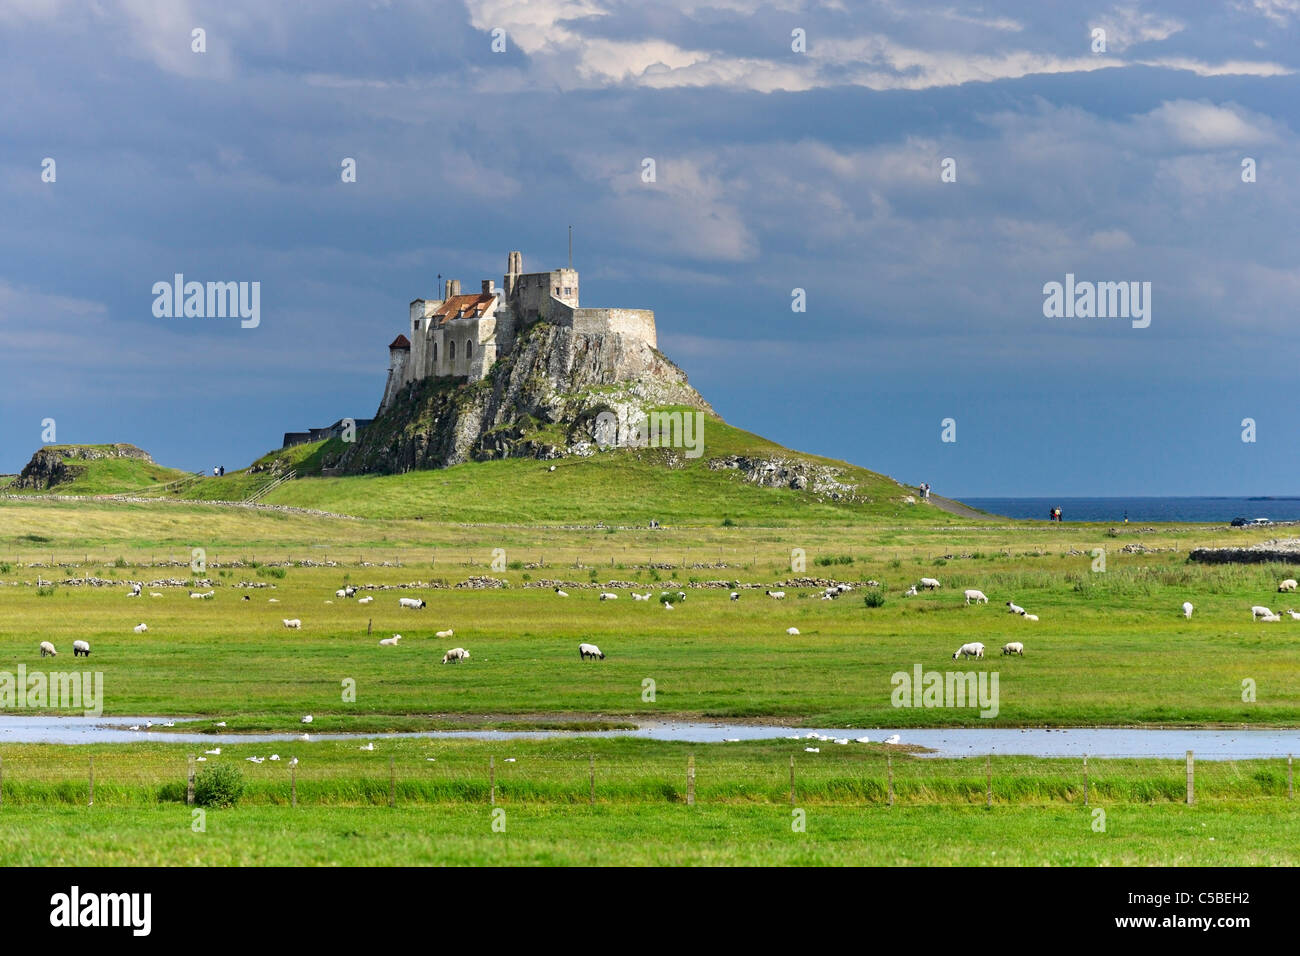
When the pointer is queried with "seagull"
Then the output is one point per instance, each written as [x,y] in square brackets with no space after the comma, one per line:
[134,727]
[893,739]
[169,723]
[221,723]
[275,756]
[215,752]
[201,760]
[510,760]
[307,719]
[369,746]
[731,740]
[148,724]
[255,759]
[431,759]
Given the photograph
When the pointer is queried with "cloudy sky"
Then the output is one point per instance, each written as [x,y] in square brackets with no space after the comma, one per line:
[775,170]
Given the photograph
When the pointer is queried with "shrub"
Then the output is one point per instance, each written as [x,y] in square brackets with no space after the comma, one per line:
[728,523]
[120,563]
[277,573]
[218,786]
[45,592]
[874,599]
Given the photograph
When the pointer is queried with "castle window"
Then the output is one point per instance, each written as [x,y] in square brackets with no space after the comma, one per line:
[469,348]
[435,351]
[557,290]
[451,351]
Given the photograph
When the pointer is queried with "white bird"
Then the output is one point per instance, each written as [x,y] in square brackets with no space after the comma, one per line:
[272,600]
[812,750]
[214,752]
[369,746]
[169,723]
[255,759]
[148,724]
[510,760]
[842,740]
[134,727]
[221,723]
[431,759]
[305,737]
[275,756]
[201,760]
[892,739]
[307,719]
[731,740]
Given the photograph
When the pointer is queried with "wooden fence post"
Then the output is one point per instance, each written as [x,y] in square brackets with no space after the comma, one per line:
[988,774]
[690,780]
[792,780]
[189,782]
[1085,780]
[392,783]
[1191,779]
[889,765]
[591,767]
[370,624]
[92,783]
[492,781]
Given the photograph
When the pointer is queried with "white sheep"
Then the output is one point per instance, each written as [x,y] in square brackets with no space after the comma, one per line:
[307,719]
[608,596]
[455,655]
[340,593]
[775,595]
[155,594]
[910,592]
[80,649]
[930,583]
[560,593]
[589,650]
[667,606]
[444,635]
[1260,611]
[292,622]
[1029,617]
[134,592]
[792,631]
[640,597]
[47,650]
[390,641]
[975,649]
[140,628]
[1295,615]
[1188,609]
[977,596]
[414,603]
[735,595]
[1270,618]
[1288,585]
[365,600]
[1015,608]
[1014,647]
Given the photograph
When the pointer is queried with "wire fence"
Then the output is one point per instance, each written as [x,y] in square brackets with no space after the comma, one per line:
[120,779]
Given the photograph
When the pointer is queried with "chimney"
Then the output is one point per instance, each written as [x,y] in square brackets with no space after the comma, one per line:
[453,288]
[489,286]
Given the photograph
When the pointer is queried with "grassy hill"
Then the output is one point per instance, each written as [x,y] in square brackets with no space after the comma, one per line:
[99,470]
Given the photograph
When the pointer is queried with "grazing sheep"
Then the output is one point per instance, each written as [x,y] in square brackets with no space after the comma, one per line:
[608,596]
[455,656]
[930,583]
[589,650]
[1260,611]
[640,597]
[1015,608]
[969,650]
[47,650]
[390,641]
[292,622]
[735,595]
[1188,609]
[1295,615]
[80,649]
[365,600]
[560,593]
[681,596]
[1288,585]
[976,596]
[775,595]
[1029,617]
[140,628]
[444,635]
[413,603]
[340,593]
[1015,647]
[134,592]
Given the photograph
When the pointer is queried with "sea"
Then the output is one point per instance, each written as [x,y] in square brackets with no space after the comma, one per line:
[1275,508]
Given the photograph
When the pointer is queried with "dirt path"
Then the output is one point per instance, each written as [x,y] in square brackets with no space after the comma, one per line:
[961,510]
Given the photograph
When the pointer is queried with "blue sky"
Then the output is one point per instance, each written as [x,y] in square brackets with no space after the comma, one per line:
[775,169]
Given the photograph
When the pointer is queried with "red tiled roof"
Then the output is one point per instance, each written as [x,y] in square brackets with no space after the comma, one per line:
[401,342]
[474,304]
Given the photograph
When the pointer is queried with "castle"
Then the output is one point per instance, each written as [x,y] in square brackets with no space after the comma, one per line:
[461,335]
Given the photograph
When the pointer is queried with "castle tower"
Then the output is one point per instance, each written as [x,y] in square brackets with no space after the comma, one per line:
[514,269]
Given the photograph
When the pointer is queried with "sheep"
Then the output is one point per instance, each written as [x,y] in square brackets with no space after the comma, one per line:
[910,592]
[892,739]
[735,595]
[1295,615]
[292,622]
[640,597]
[589,650]
[455,656]
[47,650]
[155,594]
[140,628]
[775,595]
[1030,617]
[390,641]
[307,719]
[1015,608]
[340,593]
[413,603]
[1014,647]
[681,596]
[608,596]
[1187,609]
[365,600]
[1270,618]
[1288,585]
[1260,611]
[559,593]
[977,596]
[247,598]
[930,583]
[667,606]
[80,649]
[792,631]
[969,650]
[134,592]
[445,635]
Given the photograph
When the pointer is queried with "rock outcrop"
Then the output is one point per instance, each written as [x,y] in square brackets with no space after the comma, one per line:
[541,401]
[57,464]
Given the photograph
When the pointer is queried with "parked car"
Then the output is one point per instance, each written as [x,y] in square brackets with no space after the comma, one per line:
[1240,522]
[1261,522]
